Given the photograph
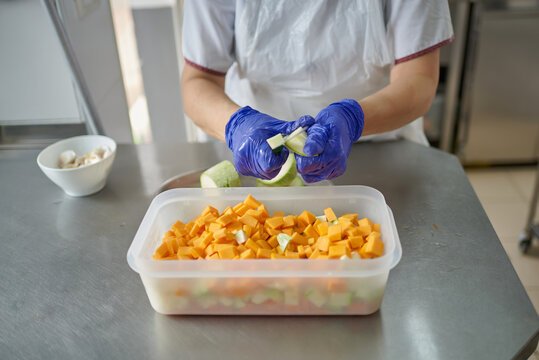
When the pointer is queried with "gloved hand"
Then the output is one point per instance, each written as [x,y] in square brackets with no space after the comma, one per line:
[246,133]
[336,128]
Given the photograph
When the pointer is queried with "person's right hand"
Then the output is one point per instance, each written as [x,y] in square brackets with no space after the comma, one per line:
[336,128]
[246,133]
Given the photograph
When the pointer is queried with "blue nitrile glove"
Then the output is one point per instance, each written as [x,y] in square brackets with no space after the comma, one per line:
[246,133]
[336,128]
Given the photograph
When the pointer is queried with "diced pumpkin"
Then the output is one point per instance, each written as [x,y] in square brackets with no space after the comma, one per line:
[275,222]
[307,218]
[310,232]
[272,241]
[234,226]
[214,227]
[334,232]
[364,222]
[263,244]
[252,245]
[289,221]
[172,244]
[228,252]
[374,247]
[263,253]
[315,254]
[224,220]
[287,231]
[336,251]
[299,240]
[356,242]
[330,215]
[196,252]
[308,251]
[161,252]
[322,228]
[364,229]
[221,236]
[291,254]
[249,220]
[263,213]
[184,250]
[251,202]
[323,243]
[241,209]
[248,254]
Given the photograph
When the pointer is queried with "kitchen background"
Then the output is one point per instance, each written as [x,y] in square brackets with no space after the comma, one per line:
[79,66]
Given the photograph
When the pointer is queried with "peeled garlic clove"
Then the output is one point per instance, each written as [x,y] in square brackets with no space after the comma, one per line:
[66,157]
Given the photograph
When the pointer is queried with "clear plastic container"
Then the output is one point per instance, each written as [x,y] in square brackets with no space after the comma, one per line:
[264,287]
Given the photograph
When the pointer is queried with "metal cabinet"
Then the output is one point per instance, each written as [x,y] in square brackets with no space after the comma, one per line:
[498,117]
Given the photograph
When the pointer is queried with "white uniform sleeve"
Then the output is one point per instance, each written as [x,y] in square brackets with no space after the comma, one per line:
[208,34]
[416,27]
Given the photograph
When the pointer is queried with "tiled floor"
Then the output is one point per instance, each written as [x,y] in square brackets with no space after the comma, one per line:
[505,194]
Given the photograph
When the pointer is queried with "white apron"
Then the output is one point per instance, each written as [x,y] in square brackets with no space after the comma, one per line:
[294,60]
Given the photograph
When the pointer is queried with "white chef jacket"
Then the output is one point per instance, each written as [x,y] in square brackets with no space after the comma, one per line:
[291,58]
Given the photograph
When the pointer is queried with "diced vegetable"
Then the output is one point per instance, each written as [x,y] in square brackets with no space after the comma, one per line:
[241,237]
[296,141]
[283,240]
[247,231]
[276,142]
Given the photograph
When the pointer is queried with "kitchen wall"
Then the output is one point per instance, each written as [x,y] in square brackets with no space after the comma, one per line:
[35,82]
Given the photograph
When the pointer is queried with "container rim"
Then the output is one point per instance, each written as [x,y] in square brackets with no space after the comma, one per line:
[258,267]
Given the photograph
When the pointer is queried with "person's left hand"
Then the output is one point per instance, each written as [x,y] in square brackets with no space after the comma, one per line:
[336,128]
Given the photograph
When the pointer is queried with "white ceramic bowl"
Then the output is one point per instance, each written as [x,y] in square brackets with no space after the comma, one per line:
[84,180]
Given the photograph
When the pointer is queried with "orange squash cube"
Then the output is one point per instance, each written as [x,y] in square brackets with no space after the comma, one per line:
[330,215]
[334,232]
[251,202]
[336,251]
[248,220]
[323,243]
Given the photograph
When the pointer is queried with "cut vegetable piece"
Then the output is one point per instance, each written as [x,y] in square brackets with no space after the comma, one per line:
[316,297]
[241,237]
[340,300]
[286,175]
[297,142]
[222,174]
[298,181]
[276,141]
[283,240]
[294,133]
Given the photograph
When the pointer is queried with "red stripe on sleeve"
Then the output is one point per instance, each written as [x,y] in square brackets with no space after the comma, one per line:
[205,69]
[424,51]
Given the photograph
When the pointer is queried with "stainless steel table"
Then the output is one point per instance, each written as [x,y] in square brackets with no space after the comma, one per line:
[66,291]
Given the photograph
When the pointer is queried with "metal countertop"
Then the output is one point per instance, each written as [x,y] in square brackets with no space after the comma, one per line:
[67,292]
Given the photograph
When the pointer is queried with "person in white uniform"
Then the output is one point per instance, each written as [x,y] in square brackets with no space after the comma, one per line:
[342,69]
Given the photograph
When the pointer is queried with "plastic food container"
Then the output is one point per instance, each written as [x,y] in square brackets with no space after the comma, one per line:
[264,287]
